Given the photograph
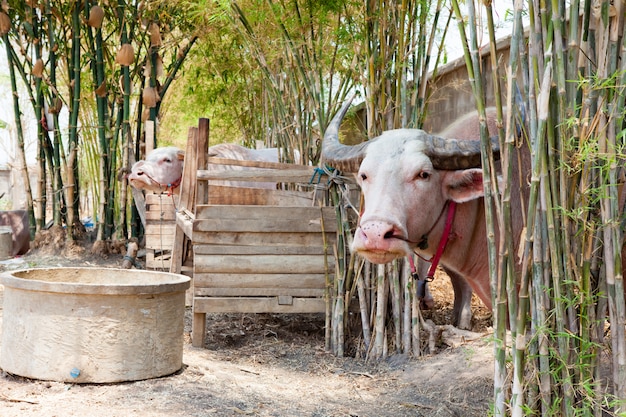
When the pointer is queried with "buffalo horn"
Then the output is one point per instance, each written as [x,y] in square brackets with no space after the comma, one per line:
[446,154]
[346,158]
[452,154]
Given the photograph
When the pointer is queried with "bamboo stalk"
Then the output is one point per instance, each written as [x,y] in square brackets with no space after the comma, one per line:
[396,302]
[364,309]
[382,292]
[407,296]
[18,127]
[338,315]
[73,187]
[415,327]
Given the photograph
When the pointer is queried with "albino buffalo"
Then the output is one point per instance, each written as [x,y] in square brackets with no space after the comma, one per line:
[162,170]
[407,178]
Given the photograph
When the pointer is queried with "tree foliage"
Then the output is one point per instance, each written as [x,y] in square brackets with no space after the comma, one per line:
[94,74]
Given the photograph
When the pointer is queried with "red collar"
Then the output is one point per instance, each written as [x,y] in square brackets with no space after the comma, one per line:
[445,237]
[170,187]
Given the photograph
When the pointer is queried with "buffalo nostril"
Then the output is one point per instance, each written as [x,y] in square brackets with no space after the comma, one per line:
[388,235]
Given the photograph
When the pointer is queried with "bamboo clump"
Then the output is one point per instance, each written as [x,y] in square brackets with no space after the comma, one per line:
[568,284]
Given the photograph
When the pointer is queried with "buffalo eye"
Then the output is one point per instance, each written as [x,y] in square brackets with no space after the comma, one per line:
[422,175]
[363,176]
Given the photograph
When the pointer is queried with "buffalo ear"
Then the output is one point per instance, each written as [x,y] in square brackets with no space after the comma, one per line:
[463,185]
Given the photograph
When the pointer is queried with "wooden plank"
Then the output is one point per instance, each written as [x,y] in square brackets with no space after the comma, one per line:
[159,263]
[161,200]
[260,225]
[256,305]
[243,211]
[185,200]
[260,175]
[261,239]
[202,151]
[200,249]
[258,292]
[261,264]
[198,327]
[286,282]
[260,164]
[225,195]
[155,259]
[184,223]
[154,216]
[157,241]
[264,219]
[160,229]
[190,169]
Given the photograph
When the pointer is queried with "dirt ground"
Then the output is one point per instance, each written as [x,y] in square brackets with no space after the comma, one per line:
[270,365]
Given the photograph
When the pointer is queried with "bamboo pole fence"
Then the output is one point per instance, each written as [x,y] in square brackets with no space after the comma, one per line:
[565,298]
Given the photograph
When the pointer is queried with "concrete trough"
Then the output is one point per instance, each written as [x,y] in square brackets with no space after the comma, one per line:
[92,325]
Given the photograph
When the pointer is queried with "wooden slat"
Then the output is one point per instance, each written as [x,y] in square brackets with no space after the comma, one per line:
[198,327]
[163,199]
[261,224]
[184,223]
[154,243]
[160,229]
[259,164]
[287,282]
[282,166]
[203,305]
[260,239]
[190,168]
[260,175]
[154,216]
[201,158]
[258,292]
[158,262]
[262,250]
[225,195]
[264,219]
[261,264]
[186,199]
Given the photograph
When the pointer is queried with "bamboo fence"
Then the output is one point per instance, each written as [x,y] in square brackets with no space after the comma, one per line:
[558,294]
[565,298]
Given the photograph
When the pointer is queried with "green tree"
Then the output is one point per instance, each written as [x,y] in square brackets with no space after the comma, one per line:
[105,64]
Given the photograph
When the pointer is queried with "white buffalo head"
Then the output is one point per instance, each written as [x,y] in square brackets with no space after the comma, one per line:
[160,171]
[407,178]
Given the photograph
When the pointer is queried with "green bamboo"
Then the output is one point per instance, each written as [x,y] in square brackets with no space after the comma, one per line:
[382,291]
[363,307]
[407,297]
[38,221]
[73,180]
[419,99]
[55,166]
[104,214]
[472,60]
[338,314]
[18,127]
[327,287]
[396,302]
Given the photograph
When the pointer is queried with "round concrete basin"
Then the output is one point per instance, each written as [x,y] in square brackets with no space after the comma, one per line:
[92,325]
